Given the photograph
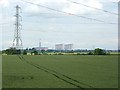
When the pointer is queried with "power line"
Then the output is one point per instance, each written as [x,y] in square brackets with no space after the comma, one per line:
[64,22]
[92,7]
[114,2]
[4,23]
[68,32]
[68,13]
[110,1]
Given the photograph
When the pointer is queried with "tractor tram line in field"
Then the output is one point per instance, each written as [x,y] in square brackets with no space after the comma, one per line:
[23,59]
[58,75]
[66,77]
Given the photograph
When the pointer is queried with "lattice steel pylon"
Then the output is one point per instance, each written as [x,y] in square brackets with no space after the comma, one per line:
[17,41]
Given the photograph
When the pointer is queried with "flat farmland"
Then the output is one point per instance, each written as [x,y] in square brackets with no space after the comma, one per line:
[60,71]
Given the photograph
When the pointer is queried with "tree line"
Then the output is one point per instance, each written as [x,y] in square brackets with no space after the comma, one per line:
[14,51]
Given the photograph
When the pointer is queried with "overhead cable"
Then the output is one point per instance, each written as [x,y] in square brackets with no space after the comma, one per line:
[106,11]
[67,12]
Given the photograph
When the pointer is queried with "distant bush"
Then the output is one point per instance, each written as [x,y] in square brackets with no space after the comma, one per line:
[78,54]
[12,51]
[83,54]
[99,51]
[45,54]
[34,52]
[90,53]
[24,52]
[60,54]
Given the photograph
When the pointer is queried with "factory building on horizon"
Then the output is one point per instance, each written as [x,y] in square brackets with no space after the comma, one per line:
[41,47]
[59,47]
[68,47]
[63,46]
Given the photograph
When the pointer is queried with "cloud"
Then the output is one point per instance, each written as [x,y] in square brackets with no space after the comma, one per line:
[4,3]
[32,9]
[80,9]
[6,19]
[94,3]
[63,5]
[109,0]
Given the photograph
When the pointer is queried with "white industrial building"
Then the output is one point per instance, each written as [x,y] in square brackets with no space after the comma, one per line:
[59,46]
[63,46]
[68,47]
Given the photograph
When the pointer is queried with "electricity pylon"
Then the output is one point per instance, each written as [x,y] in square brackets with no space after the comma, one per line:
[17,41]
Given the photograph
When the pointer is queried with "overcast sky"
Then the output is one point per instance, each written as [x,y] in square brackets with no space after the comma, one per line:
[53,27]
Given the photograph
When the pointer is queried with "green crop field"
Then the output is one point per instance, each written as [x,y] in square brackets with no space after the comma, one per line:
[60,71]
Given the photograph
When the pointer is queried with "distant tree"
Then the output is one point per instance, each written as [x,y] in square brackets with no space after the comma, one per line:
[27,49]
[11,51]
[17,51]
[71,51]
[119,50]
[108,53]
[42,51]
[33,49]
[60,54]
[25,52]
[35,52]
[99,51]
[90,53]
[78,53]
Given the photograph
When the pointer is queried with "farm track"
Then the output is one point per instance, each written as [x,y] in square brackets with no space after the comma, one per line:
[58,75]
